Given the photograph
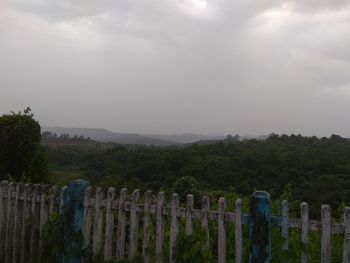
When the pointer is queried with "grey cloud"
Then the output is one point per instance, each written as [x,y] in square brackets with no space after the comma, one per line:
[312,5]
[179,66]
[61,10]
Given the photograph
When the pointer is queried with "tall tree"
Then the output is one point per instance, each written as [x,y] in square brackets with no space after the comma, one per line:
[21,155]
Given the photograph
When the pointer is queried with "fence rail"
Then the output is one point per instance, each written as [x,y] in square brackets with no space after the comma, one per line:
[119,227]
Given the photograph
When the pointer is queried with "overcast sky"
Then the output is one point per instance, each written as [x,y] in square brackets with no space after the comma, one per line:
[174,66]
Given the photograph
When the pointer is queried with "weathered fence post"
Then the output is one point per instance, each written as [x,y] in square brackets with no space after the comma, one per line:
[72,210]
[146,227]
[305,228]
[221,230]
[134,226]
[238,232]
[174,227]
[260,228]
[326,234]
[346,245]
[160,228]
[108,249]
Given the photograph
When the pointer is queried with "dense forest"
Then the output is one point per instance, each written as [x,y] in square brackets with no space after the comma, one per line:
[316,170]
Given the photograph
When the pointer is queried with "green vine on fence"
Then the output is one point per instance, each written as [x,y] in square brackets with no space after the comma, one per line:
[52,237]
[190,249]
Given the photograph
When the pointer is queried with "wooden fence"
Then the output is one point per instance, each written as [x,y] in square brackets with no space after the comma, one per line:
[119,228]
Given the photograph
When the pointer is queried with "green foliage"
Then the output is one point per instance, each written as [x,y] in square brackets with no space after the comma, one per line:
[189,249]
[310,169]
[53,240]
[53,245]
[21,155]
[292,254]
[187,185]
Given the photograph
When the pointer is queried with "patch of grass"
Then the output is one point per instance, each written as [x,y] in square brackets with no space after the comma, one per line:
[62,177]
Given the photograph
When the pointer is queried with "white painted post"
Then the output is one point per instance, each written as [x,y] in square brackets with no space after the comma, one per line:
[221,230]
[346,250]
[204,220]
[189,208]
[54,194]
[238,232]
[159,228]
[44,213]
[98,223]
[9,223]
[174,226]
[146,225]
[326,234]
[305,228]
[25,229]
[17,224]
[109,225]
[134,225]
[3,217]
[34,233]
[87,216]
[121,225]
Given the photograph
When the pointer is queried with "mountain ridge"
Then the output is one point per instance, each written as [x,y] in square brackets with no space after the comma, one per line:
[104,135]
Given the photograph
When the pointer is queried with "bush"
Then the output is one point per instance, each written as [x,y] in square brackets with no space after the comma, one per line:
[21,154]
[190,249]
[187,185]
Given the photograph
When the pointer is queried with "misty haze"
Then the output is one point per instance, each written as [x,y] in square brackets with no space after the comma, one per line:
[182,131]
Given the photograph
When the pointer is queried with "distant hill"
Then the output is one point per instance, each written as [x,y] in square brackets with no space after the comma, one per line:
[104,135]
[185,138]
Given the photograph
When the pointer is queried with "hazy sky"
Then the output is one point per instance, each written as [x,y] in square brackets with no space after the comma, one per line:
[174,66]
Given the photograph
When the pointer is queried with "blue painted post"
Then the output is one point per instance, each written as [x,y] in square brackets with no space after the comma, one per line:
[260,228]
[72,211]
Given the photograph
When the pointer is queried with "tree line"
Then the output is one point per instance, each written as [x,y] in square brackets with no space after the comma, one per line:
[47,135]
[317,170]
[311,169]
